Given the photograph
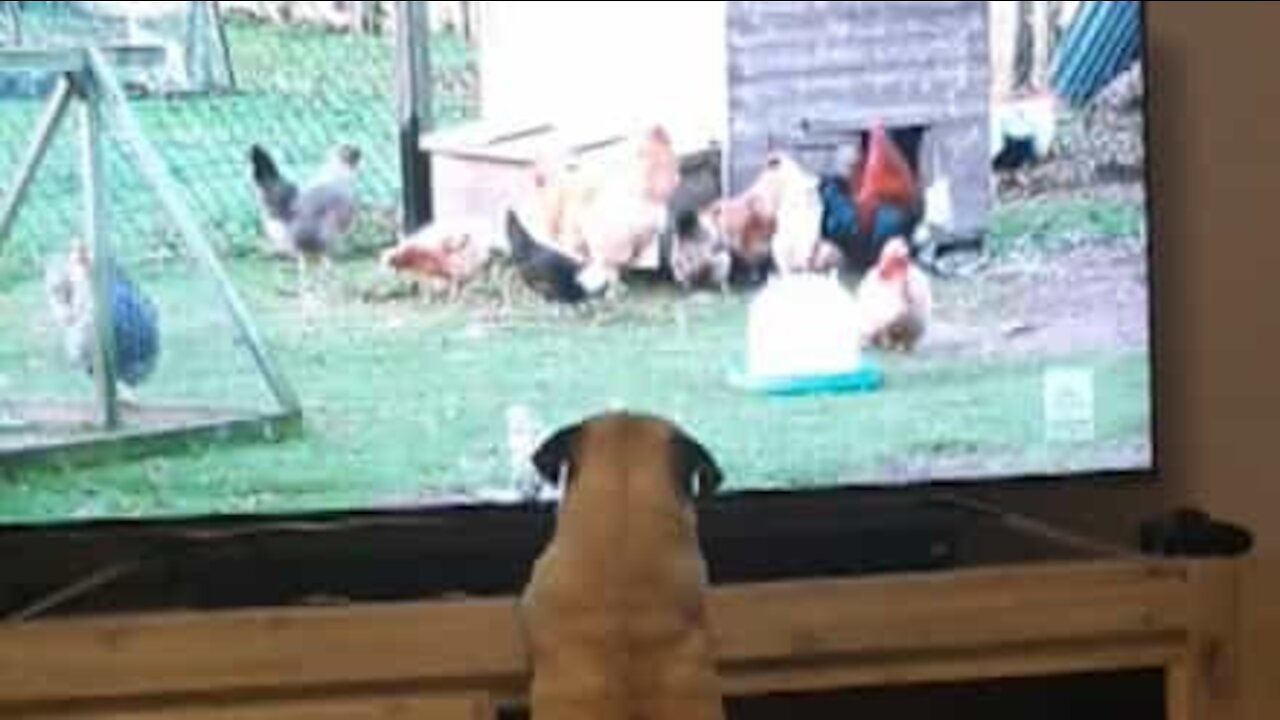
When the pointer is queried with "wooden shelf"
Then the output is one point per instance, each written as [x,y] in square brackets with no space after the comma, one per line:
[463,658]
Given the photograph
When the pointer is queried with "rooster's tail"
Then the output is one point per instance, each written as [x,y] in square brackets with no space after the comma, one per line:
[265,171]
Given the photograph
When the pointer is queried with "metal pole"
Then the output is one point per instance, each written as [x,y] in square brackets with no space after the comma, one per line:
[414,97]
[55,111]
[153,170]
[224,47]
[98,244]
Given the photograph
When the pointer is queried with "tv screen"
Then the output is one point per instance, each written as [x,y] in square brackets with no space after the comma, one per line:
[357,260]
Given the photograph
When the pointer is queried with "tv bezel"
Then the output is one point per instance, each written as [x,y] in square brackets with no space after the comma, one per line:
[792,514]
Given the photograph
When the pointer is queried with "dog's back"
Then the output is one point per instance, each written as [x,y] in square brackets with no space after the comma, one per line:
[614,609]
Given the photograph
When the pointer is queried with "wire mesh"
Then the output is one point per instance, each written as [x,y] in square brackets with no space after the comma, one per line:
[233,76]
[297,86]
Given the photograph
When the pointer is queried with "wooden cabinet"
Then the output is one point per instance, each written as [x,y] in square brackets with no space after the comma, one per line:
[462,659]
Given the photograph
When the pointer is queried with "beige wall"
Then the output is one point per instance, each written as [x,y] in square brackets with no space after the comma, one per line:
[1219,192]
[1216,161]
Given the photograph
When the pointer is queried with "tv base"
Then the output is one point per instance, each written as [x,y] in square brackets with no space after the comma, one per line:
[156,568]
[462,660]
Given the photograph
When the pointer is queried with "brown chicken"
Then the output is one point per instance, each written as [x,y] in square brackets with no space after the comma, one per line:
[437,256]
[778,220]
[609,216]
[895,300]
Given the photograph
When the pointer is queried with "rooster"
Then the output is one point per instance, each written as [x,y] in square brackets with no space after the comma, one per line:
[454,256]
[307,221]
[135,321]
[877,198]
[894,300]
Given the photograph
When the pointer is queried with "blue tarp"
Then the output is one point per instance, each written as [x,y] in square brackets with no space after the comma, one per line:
[1104,39]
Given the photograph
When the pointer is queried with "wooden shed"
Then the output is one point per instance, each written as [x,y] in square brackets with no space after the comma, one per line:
[810,76]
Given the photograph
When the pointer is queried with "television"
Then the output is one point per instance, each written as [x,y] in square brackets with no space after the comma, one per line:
[858,249]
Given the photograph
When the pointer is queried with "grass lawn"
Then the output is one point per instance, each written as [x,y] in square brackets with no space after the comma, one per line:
[406,403]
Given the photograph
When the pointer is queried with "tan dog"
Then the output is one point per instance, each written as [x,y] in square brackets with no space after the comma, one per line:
[614,614]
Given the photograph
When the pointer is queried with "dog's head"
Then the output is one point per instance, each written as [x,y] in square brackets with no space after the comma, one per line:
[601,446]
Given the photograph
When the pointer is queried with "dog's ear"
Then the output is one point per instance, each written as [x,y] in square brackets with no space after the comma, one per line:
[555,453]
[698,475]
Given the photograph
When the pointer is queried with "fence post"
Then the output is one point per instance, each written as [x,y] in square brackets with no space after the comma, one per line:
[97,243]
[414,100]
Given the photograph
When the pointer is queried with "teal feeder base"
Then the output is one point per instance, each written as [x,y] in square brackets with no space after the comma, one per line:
[865,378]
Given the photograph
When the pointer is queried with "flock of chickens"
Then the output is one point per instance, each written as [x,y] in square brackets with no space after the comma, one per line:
[586,225]
[580,231]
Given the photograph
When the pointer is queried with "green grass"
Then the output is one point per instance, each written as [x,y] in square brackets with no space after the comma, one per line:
[405,402]
[1052,223]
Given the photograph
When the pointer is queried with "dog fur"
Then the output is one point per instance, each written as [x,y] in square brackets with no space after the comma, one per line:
[614,613]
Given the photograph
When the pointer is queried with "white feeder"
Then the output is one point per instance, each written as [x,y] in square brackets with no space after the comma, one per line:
[802,337]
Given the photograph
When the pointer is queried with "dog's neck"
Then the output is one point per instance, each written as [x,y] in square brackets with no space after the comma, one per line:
[617,513]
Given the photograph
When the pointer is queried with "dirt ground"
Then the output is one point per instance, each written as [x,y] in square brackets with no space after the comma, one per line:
[1082,300]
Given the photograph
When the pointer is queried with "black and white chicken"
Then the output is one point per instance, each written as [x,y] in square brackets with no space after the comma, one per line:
[135,320]
[307,221]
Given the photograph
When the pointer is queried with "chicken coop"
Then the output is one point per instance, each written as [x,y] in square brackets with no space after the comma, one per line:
[203,83]
[104,306]
[811,77]
[88,319]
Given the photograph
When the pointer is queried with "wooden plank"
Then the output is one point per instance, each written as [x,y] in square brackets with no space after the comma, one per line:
[1213,670]
[1179,694]
[166,188]
[54,113]
[465,644]
[1009,662]
[465,707]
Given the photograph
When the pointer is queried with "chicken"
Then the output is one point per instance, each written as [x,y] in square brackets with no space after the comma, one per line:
[1023,131]
[608,216]
[798,213]
[894,300]
[436,253]
[308,221]
[700,254]
[552,273]
[135,320]
[877,197]
[777,220]
[747,222]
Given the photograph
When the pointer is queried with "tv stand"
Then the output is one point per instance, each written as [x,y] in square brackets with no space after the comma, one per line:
[461,659]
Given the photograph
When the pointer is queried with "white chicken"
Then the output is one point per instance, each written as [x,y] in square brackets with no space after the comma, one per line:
[797,239]
[894,300]
[1023,131]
